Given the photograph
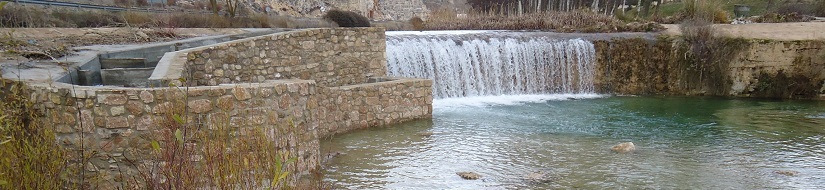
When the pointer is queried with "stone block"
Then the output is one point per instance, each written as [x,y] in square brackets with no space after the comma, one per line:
[200,106]
[117,122]
[241,94]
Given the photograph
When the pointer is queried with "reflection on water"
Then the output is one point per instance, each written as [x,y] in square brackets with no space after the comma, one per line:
[696,143]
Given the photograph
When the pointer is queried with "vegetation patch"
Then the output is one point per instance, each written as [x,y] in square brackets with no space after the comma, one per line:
[185,153]
[31,157]
[31,17]
[786,86]
[559,21]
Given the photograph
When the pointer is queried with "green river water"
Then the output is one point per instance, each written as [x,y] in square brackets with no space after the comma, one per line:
[563,142]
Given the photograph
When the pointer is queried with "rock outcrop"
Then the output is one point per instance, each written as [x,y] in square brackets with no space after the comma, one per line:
[373,9]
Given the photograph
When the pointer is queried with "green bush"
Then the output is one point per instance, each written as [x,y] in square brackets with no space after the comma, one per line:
[31,157]
[347,18]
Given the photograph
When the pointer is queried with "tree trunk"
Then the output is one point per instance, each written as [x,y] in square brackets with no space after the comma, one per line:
[639,7]
[213,5]
[595,6]
[646,9]
[624,3]
[657,11]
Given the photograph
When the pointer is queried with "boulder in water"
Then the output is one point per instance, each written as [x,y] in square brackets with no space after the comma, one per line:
[626,147]
[469,175]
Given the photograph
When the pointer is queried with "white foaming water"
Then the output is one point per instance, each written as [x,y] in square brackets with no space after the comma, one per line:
[437,32]
[490,65]
[482,101]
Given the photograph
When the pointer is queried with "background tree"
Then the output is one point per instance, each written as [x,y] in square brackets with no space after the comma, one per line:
[213,5]
[232,7]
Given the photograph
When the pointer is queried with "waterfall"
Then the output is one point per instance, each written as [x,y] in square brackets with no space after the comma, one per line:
[485,64]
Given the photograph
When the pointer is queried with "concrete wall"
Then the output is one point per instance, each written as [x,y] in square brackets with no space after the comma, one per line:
[740,68]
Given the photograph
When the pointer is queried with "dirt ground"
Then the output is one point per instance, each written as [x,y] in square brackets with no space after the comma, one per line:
[772,31]
[43,43]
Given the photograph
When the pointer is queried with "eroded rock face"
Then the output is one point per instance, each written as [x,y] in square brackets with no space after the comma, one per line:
[469,175]
[374,9]
[626,147]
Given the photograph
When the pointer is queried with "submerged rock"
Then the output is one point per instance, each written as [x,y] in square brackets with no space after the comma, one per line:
[624,147]
[329,156]
[469,175]
[786,172]
[425,134]
[538,177]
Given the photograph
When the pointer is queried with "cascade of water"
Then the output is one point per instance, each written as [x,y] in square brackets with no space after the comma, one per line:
[483,65]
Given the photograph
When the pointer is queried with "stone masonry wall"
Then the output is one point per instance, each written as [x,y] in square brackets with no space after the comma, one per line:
[346,108]
[339,60]
[300,85]
[753,68]
[121,123]
[331,57]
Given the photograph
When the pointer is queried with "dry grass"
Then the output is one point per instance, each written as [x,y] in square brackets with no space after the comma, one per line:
[31,157]
[706,53]
[31,17]
[572,21]
[820,8]
[710,10]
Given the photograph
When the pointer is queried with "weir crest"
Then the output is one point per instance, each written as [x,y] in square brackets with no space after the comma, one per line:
[486,64]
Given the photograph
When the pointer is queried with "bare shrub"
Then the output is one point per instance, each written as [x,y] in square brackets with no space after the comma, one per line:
[137,19]
[123,3]
[87,19]
[417,23]
[442,14]
[568,21]
[20,16]
[705,9]
[707,55]
[31,157]
[820,8]
[142,3]
[797,8]
[780,18]
[347,18]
